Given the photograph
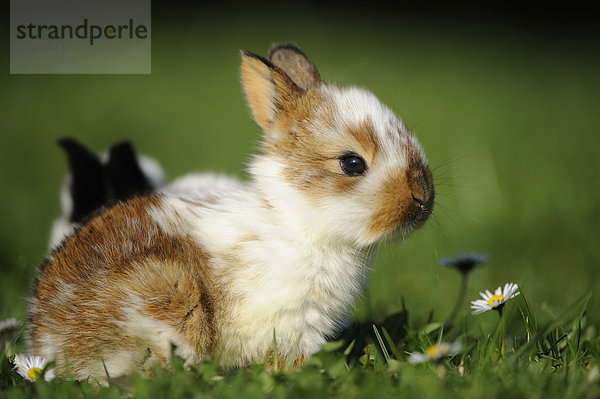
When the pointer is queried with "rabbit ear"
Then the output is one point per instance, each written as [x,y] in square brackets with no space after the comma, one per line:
[124,174]
[268,89]
[88,189]
[296,65]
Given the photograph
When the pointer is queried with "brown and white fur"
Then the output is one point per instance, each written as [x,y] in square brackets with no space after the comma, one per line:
[218,268]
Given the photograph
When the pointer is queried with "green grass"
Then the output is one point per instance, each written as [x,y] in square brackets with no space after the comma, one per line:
[508,117]
[517,357]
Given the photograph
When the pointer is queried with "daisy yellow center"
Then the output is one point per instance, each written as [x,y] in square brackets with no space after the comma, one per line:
[433,350]
[495,299]
[34,373]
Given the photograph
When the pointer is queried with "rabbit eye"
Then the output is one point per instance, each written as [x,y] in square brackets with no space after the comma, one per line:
[353,164]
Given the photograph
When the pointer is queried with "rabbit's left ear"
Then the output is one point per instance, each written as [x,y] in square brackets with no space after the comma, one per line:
[296,65]
[270,91]
[124,174]
[88,186]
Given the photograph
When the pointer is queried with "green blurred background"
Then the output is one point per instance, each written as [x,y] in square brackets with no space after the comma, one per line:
[506,107]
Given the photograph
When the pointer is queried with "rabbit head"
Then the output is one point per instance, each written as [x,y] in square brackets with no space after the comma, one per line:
[336,162]
[97,181]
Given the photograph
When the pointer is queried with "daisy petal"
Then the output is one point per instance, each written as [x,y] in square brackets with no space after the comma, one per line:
[417,357]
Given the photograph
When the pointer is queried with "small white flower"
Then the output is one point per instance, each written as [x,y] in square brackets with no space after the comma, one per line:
[32,367]
[496,300]
[436,352]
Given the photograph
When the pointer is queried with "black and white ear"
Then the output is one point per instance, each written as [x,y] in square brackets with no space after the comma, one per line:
[87,183]
[290,59]
[268,89]
[93,184]
[124,174]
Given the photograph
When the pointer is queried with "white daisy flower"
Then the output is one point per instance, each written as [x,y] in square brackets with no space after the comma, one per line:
[496,300]
[436,352]
[32,367]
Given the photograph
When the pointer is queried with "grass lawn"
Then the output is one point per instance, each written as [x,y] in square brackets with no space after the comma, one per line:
[508,115]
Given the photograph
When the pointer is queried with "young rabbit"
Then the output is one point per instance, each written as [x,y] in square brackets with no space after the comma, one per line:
[98,181]
[223,271]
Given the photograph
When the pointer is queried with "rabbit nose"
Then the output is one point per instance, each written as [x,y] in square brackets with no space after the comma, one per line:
[419,201]
[424,208]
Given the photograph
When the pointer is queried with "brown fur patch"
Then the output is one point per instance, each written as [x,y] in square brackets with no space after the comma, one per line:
[366,137]
[283,361]
[406,198]
[118,256]
[395,205]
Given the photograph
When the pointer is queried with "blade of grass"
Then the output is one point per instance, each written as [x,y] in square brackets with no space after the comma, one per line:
[547,331]
[294,353]
[275,353]
[441,335]
[390,342]
[386,355]
[106,372]
[349,348]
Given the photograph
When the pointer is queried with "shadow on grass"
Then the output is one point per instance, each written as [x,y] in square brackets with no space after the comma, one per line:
[360,335]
